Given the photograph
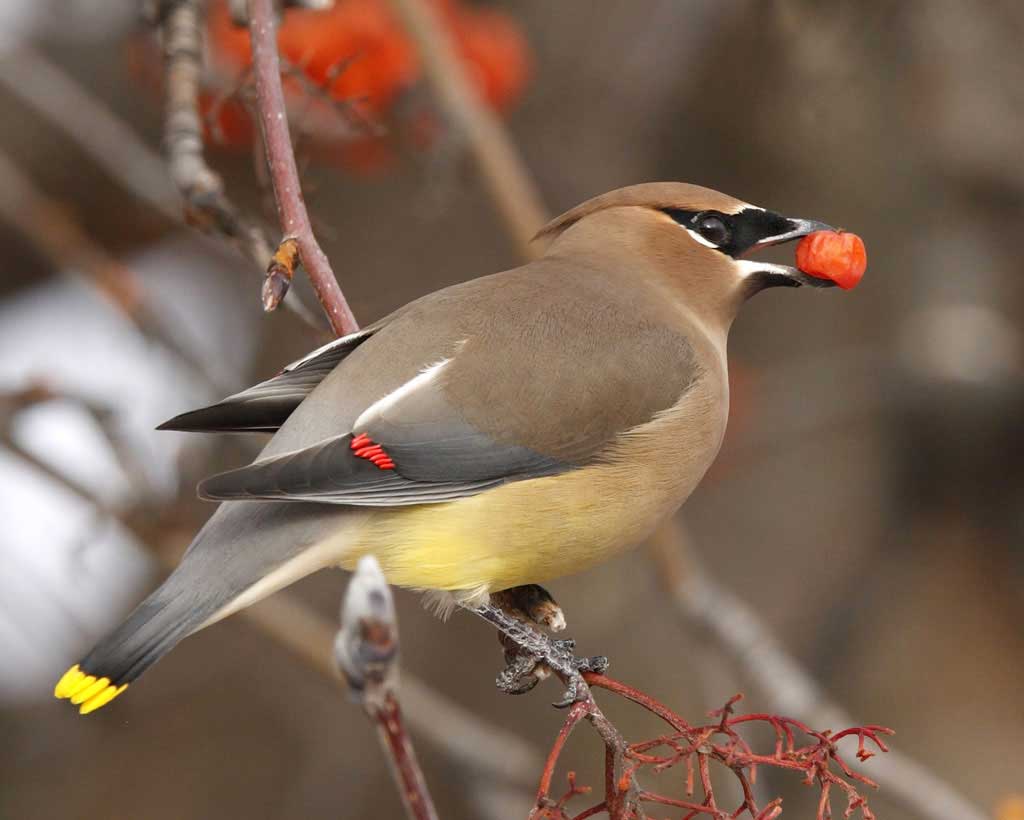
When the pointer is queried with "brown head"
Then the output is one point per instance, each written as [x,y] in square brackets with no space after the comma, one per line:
[691,239]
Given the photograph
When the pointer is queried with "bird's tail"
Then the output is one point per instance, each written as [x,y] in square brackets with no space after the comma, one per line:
[149,633]
[246,551]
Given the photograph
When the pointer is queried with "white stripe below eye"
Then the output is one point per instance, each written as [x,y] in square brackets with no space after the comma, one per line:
[381,406]
[747,267]
[700,238]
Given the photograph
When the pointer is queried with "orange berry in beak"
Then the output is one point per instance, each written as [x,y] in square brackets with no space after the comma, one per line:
[834,255]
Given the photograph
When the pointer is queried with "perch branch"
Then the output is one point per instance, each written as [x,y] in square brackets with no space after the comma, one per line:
[366,651]
[732,625]
[498,161]
[284,176]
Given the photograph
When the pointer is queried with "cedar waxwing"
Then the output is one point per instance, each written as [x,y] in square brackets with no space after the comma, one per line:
[500,432]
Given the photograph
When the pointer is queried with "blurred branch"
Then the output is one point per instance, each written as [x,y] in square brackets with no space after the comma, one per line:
[100,134]
[11,404]
[497,159]
[366,651]
[471,742]
[298,242]
[715,612]
[106,139]
[53,232]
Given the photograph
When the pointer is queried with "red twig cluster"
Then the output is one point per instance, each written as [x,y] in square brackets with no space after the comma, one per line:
[692,748]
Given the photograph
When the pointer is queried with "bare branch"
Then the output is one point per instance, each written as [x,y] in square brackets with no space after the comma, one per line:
[366,651]
[498,162]
[737,629]
[202,188]
[284,174]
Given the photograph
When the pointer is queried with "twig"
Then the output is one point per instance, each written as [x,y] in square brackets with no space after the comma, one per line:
[499,164]
[695,747]
[284,175]
[622,794]
[366,651]
[202,188]
[732,625]
[207,204]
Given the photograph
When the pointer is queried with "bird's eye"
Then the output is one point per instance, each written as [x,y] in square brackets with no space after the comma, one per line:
[713,228]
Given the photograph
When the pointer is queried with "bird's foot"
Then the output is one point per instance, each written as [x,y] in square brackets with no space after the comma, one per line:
[531,655]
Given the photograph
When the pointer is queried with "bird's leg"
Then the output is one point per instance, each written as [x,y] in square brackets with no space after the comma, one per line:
[532,655]
[530,603]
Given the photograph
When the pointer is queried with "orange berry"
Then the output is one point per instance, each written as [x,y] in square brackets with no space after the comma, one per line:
[835,255]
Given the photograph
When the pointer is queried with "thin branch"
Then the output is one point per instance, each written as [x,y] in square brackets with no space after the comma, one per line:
[736,628]
[497,159]
[202,188]
[207,204]
[366,651]
[284,174]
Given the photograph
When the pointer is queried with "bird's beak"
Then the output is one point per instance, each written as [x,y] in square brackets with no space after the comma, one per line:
[787,274]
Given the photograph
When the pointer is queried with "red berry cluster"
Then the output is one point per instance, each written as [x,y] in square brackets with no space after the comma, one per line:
[358,52]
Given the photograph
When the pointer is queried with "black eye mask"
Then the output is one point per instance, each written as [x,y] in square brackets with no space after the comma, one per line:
[742,230]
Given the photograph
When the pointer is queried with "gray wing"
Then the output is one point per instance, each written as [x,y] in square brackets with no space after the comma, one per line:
[265,407]
[413,450]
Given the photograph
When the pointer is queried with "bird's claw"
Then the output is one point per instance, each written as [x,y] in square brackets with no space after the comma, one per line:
[520,676]
[524,671]
[531,656]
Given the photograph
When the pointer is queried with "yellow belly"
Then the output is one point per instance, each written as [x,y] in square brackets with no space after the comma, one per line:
[533,531]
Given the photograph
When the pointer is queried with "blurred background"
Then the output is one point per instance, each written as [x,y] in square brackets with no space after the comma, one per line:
[868,504]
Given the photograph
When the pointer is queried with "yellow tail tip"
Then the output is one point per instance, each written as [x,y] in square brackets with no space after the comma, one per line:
[86,691]
[68,684]
[101,699]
